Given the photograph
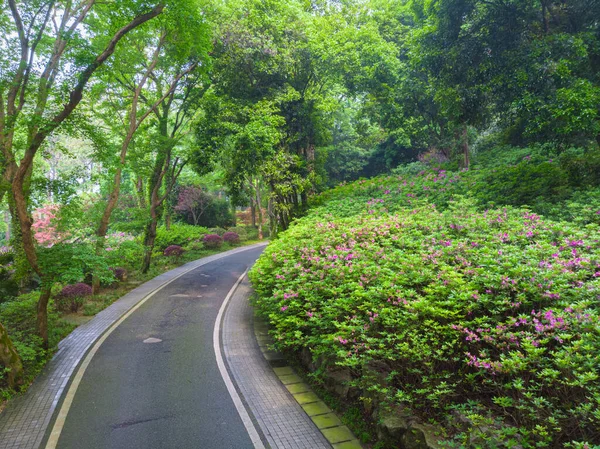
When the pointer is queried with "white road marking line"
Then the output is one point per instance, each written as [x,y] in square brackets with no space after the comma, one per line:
[70,395]
[252,432]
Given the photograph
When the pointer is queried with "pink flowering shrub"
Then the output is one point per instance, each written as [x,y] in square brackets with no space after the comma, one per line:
[44,226]
[72,296]
[212,241]
[491,313]
[232,238]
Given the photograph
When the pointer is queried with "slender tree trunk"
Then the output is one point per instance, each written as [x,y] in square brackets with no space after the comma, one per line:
[252,212]
[260,214]
[149,238]
[310,159]
[139,188]
[166,203]
[102,229]
[8,223]
[42,314]
[272,220]
[544,17]
[10,359]
[465,146]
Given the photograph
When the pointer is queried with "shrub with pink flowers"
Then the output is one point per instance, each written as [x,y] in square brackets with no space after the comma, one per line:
[212,241]
[491,313]
[232,238]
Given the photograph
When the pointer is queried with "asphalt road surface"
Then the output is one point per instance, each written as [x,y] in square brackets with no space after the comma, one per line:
[141,393]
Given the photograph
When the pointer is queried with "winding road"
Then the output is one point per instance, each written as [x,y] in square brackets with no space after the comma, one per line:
[155,382]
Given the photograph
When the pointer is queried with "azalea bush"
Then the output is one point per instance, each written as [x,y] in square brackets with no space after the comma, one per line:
[232,238]
[71,297]
[178,234]
[462,310]
[212,241]
[174,251]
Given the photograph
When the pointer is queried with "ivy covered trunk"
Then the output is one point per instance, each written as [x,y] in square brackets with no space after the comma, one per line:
[105,221]
[465,145]
[150,237]
[42,315]
[10,359]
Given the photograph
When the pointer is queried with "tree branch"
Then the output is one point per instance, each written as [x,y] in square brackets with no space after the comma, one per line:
[77,93]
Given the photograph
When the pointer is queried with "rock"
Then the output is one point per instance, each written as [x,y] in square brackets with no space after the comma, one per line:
[421,436]
[393,424]
[338,380]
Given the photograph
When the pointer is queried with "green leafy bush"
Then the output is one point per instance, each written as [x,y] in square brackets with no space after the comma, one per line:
[241,231]
[19,317]
[218,231]
[70,262]
[179,234]
[460,309]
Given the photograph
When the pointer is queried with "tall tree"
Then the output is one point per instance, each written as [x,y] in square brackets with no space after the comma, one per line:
[45,82]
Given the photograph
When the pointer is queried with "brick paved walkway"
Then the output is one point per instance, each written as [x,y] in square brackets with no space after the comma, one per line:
[283,422]
[24,422]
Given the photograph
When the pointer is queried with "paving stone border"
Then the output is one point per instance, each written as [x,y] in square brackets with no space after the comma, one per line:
[283,422]
[25,420]
[321,415]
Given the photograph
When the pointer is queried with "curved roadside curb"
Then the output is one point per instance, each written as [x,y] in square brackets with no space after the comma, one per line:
[339,435]
[282,421]
[25,421]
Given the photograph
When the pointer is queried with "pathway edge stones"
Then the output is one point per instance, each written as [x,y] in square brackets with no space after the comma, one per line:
[340,436]
[26,419]
[281,419]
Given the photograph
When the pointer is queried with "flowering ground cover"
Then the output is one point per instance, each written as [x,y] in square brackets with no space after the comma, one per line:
[487,314]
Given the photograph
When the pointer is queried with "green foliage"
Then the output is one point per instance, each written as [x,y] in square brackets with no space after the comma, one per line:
[218,213]
[69,263]
[179,234]
[19,317]
[490,313]
[241,231]
[218,231]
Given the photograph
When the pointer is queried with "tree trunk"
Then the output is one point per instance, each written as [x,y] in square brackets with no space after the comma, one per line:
[465,146]
[10,359]
[272,221]
[260,214]
[252,212]
[149,238]
[139,188]
[102,229]
[544,17]
[234,214]
[22,275]
[7,222]
[42,315]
